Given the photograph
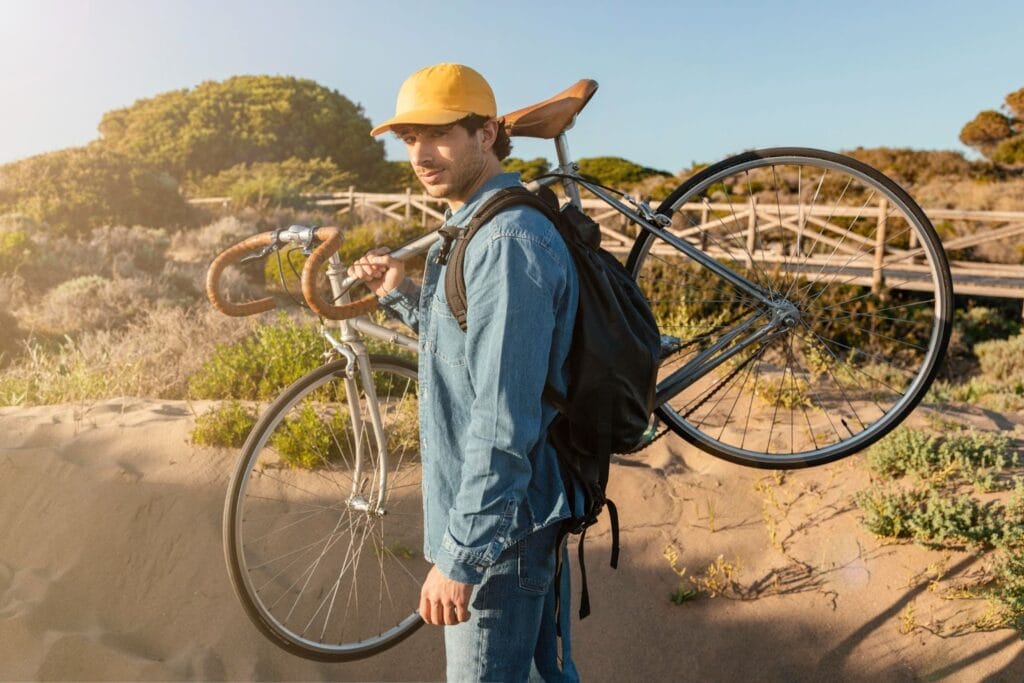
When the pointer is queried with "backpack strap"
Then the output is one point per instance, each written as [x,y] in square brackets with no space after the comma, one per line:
[454,248]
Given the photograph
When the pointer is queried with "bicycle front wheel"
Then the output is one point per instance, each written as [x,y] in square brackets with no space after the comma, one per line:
[323,522]
[852,264]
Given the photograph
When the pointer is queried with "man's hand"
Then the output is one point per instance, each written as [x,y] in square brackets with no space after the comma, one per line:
[378,270]
[444,602]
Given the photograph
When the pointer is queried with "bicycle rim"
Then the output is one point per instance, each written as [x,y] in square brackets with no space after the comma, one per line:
[327,562]
[859,265]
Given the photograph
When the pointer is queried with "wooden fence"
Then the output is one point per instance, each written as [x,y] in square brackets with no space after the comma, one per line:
[866,261]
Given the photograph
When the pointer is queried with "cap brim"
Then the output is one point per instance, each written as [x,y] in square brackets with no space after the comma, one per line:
[434,117]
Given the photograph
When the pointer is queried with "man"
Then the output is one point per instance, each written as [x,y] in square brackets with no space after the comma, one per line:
[493,495]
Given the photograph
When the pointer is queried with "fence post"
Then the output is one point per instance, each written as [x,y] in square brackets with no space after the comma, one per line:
[423,207]
[408,204]
[877,277]
[352,199]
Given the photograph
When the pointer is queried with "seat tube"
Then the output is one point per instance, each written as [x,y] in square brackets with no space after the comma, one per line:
[566,165]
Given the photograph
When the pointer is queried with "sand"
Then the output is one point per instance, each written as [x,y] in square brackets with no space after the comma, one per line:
[111,568]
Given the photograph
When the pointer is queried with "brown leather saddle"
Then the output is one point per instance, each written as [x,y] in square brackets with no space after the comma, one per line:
[552,116]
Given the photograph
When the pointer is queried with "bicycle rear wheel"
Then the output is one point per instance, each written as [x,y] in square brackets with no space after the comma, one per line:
[324,555]
[854,259]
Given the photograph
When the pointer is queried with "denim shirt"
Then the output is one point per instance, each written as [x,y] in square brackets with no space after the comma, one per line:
[490,477]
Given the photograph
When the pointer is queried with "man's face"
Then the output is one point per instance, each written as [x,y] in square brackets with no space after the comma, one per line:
[448,160]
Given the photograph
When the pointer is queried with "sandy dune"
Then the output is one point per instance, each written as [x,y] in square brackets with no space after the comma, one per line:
[111,569]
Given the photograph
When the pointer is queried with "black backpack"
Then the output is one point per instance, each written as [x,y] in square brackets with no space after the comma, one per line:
[613,359]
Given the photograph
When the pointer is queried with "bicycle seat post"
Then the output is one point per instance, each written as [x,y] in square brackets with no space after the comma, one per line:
[568,166]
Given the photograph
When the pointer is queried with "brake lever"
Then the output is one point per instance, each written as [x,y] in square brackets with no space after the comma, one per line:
[274,245]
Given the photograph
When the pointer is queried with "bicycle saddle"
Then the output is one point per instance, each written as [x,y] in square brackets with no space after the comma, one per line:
[552,116]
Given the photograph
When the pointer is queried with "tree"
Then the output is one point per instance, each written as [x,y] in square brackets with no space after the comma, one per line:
[245,120]
[999,136]
[75,190]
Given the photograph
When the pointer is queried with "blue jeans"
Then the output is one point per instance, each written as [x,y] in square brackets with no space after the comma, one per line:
[511,633]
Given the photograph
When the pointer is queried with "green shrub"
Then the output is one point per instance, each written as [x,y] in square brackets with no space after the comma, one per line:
[933,517]
[1002,362]
[226,426]
[311,439]
[981,323]
[1007,590]
[616,171]
[78,189]
[902,451]
[198,132]
[260,365]
[15,249]
[528,169]
[275,183]
[980,457]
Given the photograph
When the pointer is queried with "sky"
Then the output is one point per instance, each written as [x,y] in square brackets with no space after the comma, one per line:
[680,82]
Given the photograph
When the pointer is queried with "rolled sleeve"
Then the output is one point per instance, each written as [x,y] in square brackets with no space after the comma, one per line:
[513,285]
[403,303]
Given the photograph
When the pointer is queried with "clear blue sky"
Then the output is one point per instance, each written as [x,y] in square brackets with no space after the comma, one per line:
[680,81]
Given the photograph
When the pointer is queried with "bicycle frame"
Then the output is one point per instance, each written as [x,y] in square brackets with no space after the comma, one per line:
[777,315]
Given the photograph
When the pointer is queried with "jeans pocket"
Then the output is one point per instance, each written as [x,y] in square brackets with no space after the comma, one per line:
[537,560]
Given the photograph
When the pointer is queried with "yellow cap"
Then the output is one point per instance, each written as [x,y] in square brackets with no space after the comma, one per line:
[441,94]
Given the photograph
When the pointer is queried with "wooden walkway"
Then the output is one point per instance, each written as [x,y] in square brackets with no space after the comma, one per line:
[866,261]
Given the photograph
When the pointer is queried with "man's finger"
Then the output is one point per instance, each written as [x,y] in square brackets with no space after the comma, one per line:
[424,608]
[451,615]
[437,614]
[462,613]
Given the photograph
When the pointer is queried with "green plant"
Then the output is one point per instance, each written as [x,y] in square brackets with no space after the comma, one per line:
[226,425]
[980,457]
[198,132]
[312,439]
[276,183]
[78,189]
[902,451]
[260,365]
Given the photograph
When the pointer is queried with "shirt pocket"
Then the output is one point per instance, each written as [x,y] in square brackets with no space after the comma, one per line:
[445,339]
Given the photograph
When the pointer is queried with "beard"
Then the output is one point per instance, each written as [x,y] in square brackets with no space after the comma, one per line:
[457,179]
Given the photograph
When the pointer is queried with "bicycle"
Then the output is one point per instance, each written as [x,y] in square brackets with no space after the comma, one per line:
[794,333]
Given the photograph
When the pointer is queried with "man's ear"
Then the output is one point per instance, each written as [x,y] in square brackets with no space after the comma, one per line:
[488,134]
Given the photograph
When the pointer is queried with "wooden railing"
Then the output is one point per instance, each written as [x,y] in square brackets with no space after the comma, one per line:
[714,227]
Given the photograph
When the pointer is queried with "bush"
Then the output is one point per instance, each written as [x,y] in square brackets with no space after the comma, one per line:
[310,439]
[225,426]
[16,246]
[934,518]
[153,357]
[92,302]
[275,183]
[904,450]
[1002,362]
[616,172]
[912,166]
[245,120]
[260,365]
[527,169]
[200,245]
[979,457]
[78,189]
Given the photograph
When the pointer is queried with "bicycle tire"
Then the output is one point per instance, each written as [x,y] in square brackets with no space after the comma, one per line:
[300,532]
[808,227]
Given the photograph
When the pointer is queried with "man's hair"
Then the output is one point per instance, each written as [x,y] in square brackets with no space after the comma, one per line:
[474,122]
